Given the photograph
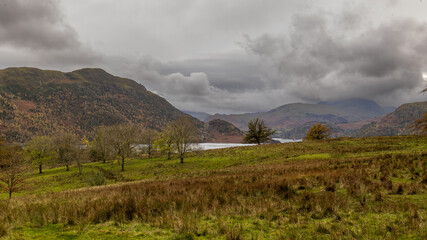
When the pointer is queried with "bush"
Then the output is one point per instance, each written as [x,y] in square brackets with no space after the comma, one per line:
[318,132]
[3,231]
[184,236]
[96,179]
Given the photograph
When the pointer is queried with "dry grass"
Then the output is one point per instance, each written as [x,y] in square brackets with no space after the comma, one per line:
[283,193]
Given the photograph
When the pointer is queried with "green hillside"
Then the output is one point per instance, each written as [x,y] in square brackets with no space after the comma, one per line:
[363,188]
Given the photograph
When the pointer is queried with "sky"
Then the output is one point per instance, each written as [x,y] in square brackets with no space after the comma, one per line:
[222,56]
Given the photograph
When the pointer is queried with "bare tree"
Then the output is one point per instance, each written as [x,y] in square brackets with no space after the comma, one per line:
[123,139]
[148,138]
[184,134]
[67,148]
[101,149]
[13,172]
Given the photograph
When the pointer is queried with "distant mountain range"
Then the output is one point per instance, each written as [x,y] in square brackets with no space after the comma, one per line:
[293,120]
[43,102]
[202,116]
[399,122]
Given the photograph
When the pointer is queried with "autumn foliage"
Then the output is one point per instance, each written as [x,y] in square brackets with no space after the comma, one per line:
[318,132]
[421,124]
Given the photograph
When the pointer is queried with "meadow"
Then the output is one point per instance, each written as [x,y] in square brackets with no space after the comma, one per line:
[346,188]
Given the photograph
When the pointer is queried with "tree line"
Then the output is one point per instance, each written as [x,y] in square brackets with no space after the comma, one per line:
[109,143]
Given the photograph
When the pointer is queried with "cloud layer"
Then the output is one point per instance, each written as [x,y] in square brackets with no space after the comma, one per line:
[33,33]
[229,56]
[321,61]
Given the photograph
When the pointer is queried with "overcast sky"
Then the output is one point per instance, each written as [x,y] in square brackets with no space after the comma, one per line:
[223,56]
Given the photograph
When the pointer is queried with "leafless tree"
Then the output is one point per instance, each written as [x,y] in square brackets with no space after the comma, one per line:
[67,148]
[148,138]
[14,169]
[184,134]
[123,139]
[101,149]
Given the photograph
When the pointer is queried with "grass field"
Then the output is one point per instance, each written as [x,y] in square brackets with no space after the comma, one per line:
[363,188]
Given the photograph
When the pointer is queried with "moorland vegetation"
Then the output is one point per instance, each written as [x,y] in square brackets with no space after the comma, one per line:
[360,188]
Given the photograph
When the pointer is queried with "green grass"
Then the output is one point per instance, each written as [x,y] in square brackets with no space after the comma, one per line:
[277,191]
[109,230]
[57,179]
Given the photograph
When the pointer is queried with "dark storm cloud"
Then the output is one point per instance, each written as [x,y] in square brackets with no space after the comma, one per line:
[34,24]
[319,60]
[37,30]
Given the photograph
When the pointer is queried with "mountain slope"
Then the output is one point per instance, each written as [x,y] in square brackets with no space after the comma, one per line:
[35,101]
[396,123]
[202,116]
[221,131]
[293,119]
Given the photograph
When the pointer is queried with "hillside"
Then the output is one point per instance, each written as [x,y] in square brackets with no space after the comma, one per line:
[202,116]
[35,101]
[396,123]
[221,131]
[292,120]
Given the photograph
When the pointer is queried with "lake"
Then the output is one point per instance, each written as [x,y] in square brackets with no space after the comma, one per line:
[209,146]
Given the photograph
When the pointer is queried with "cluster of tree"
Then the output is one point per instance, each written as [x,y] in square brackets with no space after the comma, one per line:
[117,142]
[258,132]
[123,140]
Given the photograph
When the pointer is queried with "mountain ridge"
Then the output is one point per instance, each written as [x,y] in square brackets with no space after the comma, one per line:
[291,120]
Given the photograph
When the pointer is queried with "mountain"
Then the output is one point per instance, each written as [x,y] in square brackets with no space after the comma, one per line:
[43,102]
[292,120]
[202,116]
[396,123]
[221,131]
[35,101]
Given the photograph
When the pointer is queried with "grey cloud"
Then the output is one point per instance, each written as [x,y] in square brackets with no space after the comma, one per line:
[318,62]
[195,90]
[34,24]
[324,54]
[37,33]
[235,73]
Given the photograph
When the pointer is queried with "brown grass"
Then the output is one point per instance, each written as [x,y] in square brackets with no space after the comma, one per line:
[281,192]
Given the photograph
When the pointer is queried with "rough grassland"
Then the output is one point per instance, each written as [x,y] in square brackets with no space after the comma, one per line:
[365,188]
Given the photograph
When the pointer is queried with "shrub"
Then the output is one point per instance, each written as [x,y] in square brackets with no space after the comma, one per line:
[96,179]
[184,236]
[318,132]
